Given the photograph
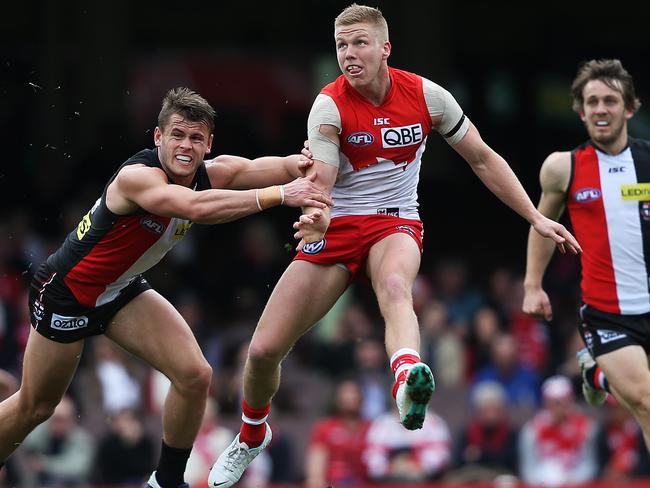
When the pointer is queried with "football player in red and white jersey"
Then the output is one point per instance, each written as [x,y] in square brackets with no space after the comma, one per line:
[367,131]
[605,185]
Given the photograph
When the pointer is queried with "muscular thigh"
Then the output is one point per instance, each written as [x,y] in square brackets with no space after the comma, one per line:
[305,292]
[626,369]
[48,368]
[395,254]
[152,329]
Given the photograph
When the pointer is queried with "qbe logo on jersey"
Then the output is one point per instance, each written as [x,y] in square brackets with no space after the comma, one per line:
[401,136]
[61,322]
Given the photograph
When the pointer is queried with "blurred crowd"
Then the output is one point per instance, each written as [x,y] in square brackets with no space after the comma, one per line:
[507,402]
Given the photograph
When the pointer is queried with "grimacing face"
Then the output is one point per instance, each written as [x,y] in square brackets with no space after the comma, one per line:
[360,52]
[604,113]
[182,145]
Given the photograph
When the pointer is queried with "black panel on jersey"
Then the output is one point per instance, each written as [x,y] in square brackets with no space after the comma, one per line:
[640,149]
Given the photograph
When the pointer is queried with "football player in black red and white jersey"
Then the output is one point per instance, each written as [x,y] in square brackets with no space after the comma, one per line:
[93,283]
[605,186]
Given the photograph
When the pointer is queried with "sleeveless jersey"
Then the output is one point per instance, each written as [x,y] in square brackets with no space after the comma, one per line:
[107,251]
[608,201]
[380,147]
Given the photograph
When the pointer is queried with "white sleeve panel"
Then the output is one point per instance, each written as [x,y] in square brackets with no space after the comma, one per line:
[454,123]
[323,111]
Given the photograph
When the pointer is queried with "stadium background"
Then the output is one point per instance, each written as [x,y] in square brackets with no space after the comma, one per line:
[81,84]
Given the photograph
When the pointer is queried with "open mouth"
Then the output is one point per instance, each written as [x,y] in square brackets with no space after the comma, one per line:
[183,159]
[354,69]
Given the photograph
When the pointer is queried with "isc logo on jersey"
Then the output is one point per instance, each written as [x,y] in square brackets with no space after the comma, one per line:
[401,136]
[61,322]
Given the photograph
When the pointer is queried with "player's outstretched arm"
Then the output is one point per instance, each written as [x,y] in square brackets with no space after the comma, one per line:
[497,175]
[237,173]
[148,188]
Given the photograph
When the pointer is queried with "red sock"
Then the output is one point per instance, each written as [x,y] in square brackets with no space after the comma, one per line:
[400,364]
[253,426]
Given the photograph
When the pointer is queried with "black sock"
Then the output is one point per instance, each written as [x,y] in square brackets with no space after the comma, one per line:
[171,466]
[590,378]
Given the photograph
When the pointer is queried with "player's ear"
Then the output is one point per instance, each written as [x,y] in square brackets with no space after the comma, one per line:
[157,136]
[386,50]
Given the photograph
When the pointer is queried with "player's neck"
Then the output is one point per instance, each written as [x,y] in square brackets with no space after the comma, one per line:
[377,90]
[615,147]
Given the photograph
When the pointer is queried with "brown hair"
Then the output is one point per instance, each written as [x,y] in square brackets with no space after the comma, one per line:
[188,104]
[356,14]
[613,74]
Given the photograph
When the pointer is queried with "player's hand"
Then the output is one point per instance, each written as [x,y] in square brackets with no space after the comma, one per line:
[303,164]
[564,240]
[305,150]
[302,192]
[537,304]
[310,227]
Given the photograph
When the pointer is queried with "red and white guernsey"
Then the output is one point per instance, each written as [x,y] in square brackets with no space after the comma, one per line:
[381,146]
[107,251]
[608,200]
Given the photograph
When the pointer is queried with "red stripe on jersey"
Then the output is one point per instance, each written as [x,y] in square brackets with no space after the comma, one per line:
[115,253]
[587,213]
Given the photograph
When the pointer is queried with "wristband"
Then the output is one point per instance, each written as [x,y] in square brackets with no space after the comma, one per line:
[269,197]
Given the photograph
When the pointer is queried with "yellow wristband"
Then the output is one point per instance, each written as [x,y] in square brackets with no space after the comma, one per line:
[269,197]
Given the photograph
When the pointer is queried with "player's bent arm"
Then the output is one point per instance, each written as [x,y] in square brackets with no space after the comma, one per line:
[554,179]
[495,173]
[325,146]
[235,172]
[149,189]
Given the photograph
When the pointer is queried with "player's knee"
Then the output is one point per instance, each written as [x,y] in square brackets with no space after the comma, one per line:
[38,412]
[640,403]
[264,355]
[195,377]
[393,289]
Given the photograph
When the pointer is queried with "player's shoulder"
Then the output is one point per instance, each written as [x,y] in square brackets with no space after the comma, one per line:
[558,159]
[140,174]
[556,170]
[557,163]
[335,88]
[636,143]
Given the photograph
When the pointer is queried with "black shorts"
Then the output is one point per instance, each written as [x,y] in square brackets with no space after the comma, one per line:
[57,315]
[604,332]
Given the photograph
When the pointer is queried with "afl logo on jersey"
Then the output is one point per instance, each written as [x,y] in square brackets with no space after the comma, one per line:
[152,225]
[360,139]
[586,195]
[314,247]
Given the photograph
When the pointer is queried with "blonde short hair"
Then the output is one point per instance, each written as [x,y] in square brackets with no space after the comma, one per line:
[357,14]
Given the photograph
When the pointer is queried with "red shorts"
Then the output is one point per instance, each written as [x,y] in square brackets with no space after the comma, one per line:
[348,239]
